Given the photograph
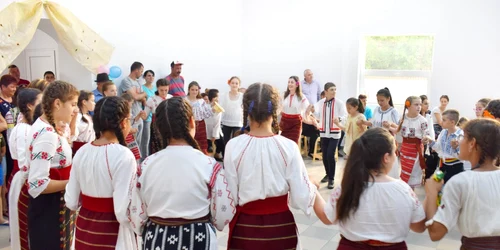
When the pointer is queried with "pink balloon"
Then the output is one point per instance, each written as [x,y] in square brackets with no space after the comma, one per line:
[103,69]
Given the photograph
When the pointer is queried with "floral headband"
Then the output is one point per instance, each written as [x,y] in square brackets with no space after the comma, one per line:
[487,114]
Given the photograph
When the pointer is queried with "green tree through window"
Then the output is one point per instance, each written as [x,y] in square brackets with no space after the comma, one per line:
[399,52]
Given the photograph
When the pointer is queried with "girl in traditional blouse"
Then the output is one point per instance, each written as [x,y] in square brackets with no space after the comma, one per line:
[295,108]
[161,94]
[437,118]
[413,128]
[27,99]
[201,111]
[385,116]
[470,199]
[50,223]
[176,203]
[84,124]
[265,173]
[373,210]
[101,172]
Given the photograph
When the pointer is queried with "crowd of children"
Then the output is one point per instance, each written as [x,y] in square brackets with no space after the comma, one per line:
[94,170]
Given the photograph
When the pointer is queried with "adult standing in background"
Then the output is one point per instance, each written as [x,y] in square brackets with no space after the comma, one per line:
[176,80]
[437,118]
[49,76]
[312,91]
[131,86]
[8,87]
[14,71]
[100,80]
[149,88]
[368,111]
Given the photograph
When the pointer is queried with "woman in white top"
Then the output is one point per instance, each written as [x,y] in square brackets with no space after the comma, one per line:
[265,173]
[372,209]
[330,111]
[50,223]
[176,203]
[437,118]
[470,199]
[101,172]
[27,99]
[294,109]
[84,124]
[161,94]
[386,116]
[232,118]
[201,111]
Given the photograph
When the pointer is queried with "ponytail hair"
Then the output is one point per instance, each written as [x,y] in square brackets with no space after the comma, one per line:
[356,103]
[387,94]
[362,162]
[27,96]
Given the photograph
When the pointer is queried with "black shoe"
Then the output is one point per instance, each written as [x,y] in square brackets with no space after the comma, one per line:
[330,184]
[325,179]
[310,155]
[210,150]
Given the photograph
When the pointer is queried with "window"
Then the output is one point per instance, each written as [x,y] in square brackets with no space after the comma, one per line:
[401,63]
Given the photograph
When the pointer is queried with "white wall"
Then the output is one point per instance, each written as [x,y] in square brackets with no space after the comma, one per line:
[269,41]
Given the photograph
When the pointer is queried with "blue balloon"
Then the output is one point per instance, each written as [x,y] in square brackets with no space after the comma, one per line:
[115,72]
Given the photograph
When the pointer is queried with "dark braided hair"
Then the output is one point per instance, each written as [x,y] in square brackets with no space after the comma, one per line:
[27,96]
[263,100]
[38,112]
[84,96]
[109,114]
[172,121]
[486,132]
[57,90]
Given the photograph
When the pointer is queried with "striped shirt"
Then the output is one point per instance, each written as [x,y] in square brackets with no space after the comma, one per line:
[176,86]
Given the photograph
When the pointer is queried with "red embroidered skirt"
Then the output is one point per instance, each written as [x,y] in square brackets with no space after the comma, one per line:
[201,135]
[291,126]
[96,225]
[346,244]
[263,224]
[411,149]
[15,169]
[22,213]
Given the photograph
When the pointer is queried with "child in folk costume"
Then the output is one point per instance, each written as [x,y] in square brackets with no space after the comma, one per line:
[50,223]
[214,130]
[101,172]
[373,210]
[353,131]
[413,128]
[130,137]
[84,124]
[201,111]
[27,99]
[295,108]
[329,109]
[470,200]
[175,204]
[446,145]
[161,94]
[262,189]
[385,116]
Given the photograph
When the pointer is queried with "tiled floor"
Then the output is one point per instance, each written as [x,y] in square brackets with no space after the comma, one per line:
[316,236]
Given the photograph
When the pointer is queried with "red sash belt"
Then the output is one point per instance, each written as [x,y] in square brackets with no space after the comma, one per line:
[60,174]
[77,145]
[420,151]
[289,116]
[270,205]
[178,221]
[102,205]
[373,243]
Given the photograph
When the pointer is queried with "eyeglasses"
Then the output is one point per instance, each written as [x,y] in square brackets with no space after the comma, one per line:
[478,109]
